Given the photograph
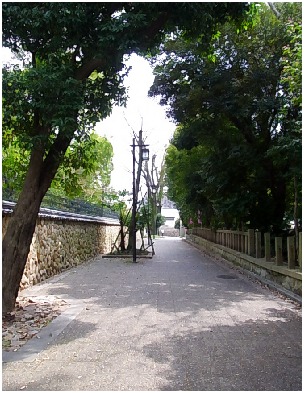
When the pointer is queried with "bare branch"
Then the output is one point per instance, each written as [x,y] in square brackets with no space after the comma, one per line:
[274,9]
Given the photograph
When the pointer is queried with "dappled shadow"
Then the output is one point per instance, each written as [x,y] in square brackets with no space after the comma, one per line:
[248,356]
[182,274]
[172,323]
[47,337]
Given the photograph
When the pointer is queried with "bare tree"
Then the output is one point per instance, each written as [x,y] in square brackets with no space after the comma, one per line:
[155,185]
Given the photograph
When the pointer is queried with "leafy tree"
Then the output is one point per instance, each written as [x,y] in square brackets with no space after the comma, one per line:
[143,221]
[289,147]
[84,173]
[72,77]
[86,170]
[160,220]
[118,204]
[177,223]
[15,161]
[155,184]
[229,107]
[182,181]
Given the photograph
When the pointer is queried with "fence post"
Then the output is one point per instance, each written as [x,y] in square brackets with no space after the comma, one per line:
[251,242]
[267,247]
[300,251]
[258,243]
[291,252]
[246,243]
[279,251]
[242,243]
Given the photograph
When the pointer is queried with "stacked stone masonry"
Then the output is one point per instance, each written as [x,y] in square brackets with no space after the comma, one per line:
[59,244]
[289,279]
[168,231]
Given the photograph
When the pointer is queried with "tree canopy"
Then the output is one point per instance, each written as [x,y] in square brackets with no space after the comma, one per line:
[84,173]
[237,149]
[73,56]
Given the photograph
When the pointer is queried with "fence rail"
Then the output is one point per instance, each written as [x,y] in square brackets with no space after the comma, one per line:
[279,250]
[77,206]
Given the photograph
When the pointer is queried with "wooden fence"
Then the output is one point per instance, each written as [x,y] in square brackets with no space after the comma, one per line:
[278,250]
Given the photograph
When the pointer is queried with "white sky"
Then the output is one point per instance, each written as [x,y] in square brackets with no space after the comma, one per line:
[157,129]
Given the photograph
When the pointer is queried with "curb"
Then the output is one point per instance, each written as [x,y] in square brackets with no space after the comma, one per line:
[127,256]
[29,351]
[271,285]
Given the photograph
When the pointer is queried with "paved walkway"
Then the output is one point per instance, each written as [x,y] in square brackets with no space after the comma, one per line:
[180,321]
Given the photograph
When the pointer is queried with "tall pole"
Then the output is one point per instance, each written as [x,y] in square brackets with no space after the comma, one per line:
[134,206]
[148,223]
[136,182]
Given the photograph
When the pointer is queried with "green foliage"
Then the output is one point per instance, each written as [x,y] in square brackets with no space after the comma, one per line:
[15,161]
[85,172]
[292,63]
[73,56]
[177,223]
[144,217]
[238,145]
[86,169]
[160,220]
[73,69]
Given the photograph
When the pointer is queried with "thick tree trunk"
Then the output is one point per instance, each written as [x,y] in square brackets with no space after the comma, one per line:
[16,246]
[17,240]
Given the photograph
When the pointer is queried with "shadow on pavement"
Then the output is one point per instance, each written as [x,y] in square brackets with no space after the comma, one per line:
[250,356]
[227,358]
[173,323]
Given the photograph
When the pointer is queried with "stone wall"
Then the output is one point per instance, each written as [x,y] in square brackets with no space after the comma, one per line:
[289,279]
[59,244]
[168,231]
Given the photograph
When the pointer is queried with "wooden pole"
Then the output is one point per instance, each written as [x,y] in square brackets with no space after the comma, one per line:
[134,207]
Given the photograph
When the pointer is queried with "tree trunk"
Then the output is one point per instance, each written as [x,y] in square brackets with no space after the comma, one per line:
[132,231]
[279,200]
[16,246]
[142,247]
[17,240]
[295,216]
[277,185]
[130,239]
[122,236]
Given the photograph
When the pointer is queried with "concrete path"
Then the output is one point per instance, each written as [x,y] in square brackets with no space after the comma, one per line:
[180,321]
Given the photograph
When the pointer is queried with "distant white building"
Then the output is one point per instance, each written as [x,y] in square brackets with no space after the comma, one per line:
[169,211]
